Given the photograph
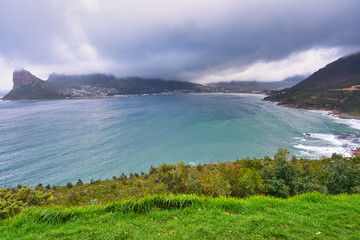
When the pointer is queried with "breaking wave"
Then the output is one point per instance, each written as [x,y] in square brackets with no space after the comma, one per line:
[313,145]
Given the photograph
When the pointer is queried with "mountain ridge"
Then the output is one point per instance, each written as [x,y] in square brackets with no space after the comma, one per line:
[60,86]
[335,87]
[99,85]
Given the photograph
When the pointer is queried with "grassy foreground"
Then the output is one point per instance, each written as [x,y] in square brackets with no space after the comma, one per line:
[306,216]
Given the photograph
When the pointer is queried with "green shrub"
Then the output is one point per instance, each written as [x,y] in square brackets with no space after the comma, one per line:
[341,175]
[13,201]
[277,176]
[79,183]
[69,185]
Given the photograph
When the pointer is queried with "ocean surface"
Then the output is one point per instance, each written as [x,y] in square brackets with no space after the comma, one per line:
[55,142]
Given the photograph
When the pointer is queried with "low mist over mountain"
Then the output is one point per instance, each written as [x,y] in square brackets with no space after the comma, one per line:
[129,85]
[334,87]
[58,86]
[255,86]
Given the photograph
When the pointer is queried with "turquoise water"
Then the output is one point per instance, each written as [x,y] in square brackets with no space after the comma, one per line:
[54,142]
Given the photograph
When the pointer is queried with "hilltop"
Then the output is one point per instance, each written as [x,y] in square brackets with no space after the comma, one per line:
[335,87]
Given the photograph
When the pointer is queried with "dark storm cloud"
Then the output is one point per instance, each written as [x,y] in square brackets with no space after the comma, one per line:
[173,39]
[245,33]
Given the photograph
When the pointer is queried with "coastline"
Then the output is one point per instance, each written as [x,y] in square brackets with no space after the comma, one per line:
[336,114]
[332,112]
[92,98]
[131,95]
[62,126]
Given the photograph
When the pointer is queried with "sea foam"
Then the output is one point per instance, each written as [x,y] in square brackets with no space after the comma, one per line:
[315,151]
[315,144]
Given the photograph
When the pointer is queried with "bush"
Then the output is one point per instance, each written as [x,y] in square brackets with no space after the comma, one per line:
[280,176]
[69,185]
[342,175]
[277,176]
[13,201]
[79,183]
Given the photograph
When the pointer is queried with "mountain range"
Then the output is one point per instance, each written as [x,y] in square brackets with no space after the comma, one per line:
[335,87]
[255,86]
[60,86]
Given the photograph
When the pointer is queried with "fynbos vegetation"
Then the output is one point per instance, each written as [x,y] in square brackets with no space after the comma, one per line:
[278,176]
[13,201]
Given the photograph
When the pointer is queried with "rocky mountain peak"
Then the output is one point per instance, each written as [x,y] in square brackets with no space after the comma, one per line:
[28,87]
[22,78]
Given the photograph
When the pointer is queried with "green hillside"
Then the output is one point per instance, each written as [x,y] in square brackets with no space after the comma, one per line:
[334,87]
[308,216]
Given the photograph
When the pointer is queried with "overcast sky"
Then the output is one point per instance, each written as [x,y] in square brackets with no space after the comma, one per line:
[190,40]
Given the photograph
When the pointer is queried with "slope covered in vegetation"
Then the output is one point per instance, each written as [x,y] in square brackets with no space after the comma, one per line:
[277,176]
[199,202]
[334,87]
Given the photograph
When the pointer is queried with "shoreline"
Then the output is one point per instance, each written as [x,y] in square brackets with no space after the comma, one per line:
[129,95]
[355,152]
[218,125]
[332,112]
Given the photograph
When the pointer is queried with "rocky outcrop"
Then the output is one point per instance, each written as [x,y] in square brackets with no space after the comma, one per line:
[356,152]
[28,87]
[23,77]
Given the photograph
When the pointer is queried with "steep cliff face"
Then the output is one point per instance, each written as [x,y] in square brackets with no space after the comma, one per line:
[28,87]
[23,77]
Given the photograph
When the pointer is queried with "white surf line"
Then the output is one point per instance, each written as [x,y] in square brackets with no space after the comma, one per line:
[353,123]
[333,144]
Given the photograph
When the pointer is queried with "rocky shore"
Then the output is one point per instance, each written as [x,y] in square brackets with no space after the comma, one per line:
[333,112]
[356,152]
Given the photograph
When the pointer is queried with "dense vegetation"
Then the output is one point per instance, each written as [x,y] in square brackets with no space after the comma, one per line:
[278,177]
[13,201]
[307,216]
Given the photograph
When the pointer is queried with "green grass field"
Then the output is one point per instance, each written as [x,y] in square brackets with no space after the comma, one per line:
[307,216]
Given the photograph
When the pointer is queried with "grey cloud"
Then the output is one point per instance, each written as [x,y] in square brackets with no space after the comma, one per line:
[158,39]
[28,29]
